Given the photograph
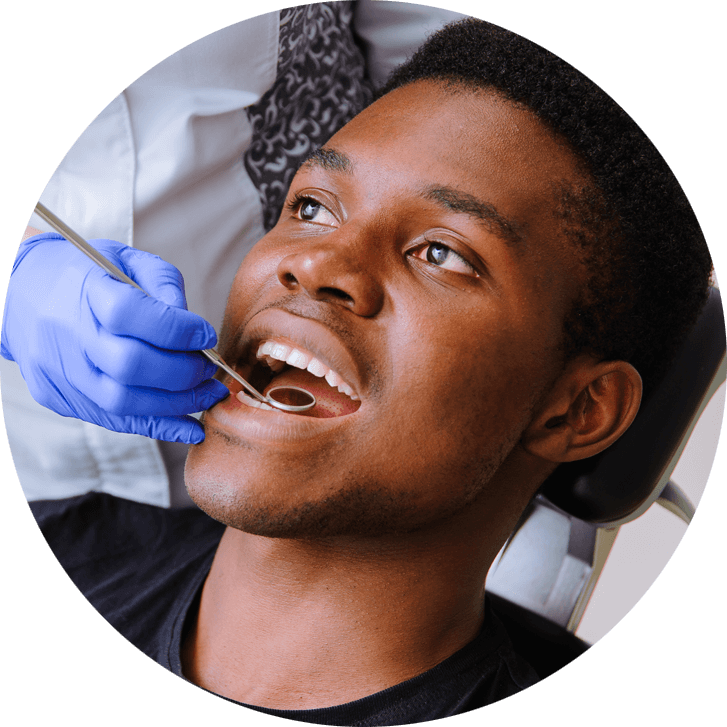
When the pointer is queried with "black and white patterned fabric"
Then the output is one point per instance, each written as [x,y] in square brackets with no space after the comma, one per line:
[321,84]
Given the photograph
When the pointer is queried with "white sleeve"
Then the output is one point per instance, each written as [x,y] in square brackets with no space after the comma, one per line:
[161,168]
[392,31]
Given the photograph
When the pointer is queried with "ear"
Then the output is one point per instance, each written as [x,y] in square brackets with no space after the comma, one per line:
[590,406]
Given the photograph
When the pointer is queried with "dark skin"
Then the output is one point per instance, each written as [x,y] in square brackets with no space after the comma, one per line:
[419,256]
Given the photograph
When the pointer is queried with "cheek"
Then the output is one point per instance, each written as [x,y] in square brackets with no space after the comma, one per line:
[256,271]
[466,397]
[440,432]
[254,277]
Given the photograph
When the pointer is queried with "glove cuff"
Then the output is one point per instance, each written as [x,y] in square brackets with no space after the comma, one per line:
[27,245]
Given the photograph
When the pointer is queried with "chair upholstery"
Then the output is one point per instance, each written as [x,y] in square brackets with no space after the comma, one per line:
[542,579]
[623,481]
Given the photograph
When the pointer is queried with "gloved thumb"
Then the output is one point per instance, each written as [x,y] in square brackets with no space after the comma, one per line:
[158,278]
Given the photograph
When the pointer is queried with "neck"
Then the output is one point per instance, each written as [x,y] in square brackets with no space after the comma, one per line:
[297,625]
[302,624]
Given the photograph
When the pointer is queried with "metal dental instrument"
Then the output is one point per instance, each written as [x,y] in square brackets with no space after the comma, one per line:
[287,398]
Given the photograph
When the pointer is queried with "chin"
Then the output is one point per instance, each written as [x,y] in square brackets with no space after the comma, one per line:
[355,508]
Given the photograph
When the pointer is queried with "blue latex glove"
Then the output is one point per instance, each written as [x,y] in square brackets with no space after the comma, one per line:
[96,349]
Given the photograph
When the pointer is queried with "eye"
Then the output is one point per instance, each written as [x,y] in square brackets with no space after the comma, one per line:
[308,209]
[437,253]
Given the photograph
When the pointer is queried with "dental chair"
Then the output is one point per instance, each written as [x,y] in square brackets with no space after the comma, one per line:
[541,581]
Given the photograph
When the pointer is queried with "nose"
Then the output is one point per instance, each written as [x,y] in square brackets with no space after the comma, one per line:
[332,271]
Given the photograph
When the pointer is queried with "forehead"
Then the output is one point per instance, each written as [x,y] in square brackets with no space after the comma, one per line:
[427,135]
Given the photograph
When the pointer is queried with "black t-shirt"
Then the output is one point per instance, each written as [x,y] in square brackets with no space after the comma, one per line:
[143,567]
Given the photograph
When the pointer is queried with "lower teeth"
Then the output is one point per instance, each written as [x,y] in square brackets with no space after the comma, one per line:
[245,399]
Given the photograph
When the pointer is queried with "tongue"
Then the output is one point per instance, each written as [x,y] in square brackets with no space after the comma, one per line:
[330,402]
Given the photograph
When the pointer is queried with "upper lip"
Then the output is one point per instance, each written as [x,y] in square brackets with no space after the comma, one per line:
[305,333]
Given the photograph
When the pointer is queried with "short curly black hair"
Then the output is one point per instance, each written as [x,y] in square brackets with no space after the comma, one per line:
[648,263]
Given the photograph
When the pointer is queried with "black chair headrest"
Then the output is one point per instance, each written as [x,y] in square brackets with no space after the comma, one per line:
[622,481]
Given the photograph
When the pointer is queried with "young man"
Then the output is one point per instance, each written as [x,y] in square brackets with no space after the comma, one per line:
[475,277]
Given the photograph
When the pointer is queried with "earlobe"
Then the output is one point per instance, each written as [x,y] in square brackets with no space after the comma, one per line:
[591,405]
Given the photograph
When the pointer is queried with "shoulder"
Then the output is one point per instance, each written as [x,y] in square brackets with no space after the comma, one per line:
[95,526]
[138,565]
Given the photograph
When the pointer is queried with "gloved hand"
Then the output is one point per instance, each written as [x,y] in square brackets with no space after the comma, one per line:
[91,347]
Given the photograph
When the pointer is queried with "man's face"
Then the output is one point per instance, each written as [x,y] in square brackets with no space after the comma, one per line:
[419,260]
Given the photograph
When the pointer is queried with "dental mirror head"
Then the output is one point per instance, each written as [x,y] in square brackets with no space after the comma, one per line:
[286,398]
[290,398]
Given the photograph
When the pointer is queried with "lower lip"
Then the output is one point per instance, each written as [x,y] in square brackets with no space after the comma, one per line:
[235,418]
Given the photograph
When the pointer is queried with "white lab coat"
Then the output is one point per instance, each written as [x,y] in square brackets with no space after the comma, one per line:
[161,168]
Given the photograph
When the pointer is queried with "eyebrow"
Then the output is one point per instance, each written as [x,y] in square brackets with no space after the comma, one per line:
[329,159]
[457,201]
[447,197]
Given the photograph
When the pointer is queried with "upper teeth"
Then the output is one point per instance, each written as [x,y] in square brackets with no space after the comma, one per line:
[276,355]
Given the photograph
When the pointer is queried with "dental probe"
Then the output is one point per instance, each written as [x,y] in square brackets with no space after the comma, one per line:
[292,393]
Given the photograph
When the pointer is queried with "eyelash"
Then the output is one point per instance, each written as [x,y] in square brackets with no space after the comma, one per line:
[298,200]
[430,243]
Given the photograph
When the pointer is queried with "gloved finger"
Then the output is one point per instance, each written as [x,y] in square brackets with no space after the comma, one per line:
[173,428]
[133,362]
[156,276]
[169,429]
[115,398]
[126,311]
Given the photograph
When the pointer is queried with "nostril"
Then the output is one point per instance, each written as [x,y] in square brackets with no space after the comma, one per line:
[336,293]
[334,275]
[290,281]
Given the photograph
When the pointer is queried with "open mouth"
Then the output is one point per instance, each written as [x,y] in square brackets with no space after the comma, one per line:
[278,364]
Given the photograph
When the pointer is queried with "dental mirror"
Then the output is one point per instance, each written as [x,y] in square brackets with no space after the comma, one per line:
[286,398]
[292,396]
